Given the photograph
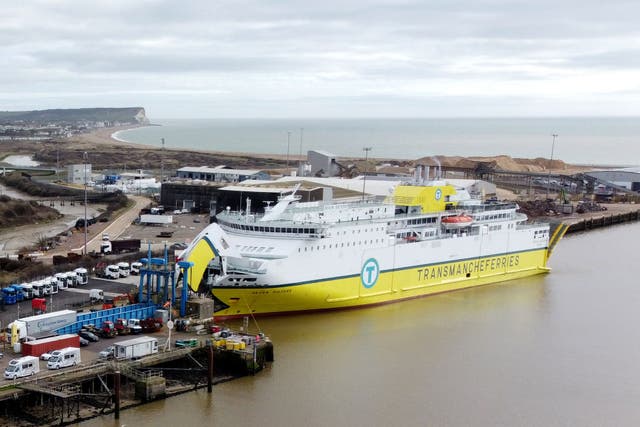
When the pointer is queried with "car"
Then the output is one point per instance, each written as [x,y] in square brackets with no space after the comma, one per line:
[89,336]
[46,356]
[107,353]
[84,342]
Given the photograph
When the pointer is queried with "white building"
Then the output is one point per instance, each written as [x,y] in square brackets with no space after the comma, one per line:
[77,174]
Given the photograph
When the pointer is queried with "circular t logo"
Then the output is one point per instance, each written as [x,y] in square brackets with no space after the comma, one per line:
[370,272]
[438,194]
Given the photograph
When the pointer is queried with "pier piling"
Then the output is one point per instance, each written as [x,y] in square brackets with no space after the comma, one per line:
[116,386]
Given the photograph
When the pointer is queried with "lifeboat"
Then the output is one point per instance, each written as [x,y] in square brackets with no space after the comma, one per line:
[457,221]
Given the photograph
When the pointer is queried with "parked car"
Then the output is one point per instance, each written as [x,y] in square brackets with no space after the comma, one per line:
[89,336]
[84,342]
[107,353]
[46,356]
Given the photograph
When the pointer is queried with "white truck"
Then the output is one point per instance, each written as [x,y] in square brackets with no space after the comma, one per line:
[22,367]
[156,219]
[83,276]
[96,295]
[32,325]
[69,356]
[111,271]
[61,278]
[135,348]
[124,269]
[136,267]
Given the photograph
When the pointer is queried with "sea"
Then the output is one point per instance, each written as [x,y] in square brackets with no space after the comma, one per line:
[583,140]
[552,350]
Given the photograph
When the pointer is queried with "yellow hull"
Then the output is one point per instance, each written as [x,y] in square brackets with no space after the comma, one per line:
[390,286]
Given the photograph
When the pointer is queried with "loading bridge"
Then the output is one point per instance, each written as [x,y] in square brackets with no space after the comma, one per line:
[134,311]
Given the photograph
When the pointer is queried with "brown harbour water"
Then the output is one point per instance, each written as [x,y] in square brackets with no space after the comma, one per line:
[554,350]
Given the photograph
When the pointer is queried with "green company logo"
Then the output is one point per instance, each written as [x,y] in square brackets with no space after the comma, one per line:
[370,272]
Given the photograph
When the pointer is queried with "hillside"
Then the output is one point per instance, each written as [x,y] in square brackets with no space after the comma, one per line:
[128,115]
[14,213]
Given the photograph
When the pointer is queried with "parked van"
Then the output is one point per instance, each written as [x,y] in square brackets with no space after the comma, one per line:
[69,356]
[22,367]
[124,269]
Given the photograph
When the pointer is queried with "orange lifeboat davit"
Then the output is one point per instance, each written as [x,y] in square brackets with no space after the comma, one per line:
[457,221]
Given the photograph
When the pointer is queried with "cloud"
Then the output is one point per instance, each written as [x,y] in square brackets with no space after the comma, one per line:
[157,53]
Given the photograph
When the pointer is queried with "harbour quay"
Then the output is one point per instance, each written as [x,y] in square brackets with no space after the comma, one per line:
[104,387]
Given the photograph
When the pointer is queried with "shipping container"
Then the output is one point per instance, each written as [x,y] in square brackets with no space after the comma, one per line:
[45,345]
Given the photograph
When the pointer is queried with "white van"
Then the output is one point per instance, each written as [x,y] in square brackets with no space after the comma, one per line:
[22,367]
[83,275]
[124,269]
[69,356]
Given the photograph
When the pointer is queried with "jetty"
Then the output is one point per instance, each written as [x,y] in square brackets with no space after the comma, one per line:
[100,387]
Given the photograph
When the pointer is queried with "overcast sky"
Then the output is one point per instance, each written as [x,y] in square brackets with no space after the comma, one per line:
[370,58]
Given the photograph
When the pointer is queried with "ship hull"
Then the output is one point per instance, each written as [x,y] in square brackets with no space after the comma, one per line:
[385,286]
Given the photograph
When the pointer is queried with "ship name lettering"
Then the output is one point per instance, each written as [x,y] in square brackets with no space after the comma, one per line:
[465,268]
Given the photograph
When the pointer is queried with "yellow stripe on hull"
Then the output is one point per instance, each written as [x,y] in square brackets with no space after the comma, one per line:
[390,286]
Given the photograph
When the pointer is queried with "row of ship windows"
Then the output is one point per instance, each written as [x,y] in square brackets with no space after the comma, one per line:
[359,231]
[272,229]
[339,245]
[494,216]
[418,221]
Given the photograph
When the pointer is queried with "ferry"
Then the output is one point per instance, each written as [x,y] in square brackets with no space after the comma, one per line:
[425,238]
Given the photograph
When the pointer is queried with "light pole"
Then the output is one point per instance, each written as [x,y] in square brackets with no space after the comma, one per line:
[366,157]
[288,145]
[162,163]
[553,144]
[84,159]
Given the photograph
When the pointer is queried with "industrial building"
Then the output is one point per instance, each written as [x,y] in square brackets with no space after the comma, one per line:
[220,174]
[322,163]
[628,178]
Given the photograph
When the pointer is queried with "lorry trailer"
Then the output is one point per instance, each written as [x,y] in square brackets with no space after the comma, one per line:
[135,348]
[33,325]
